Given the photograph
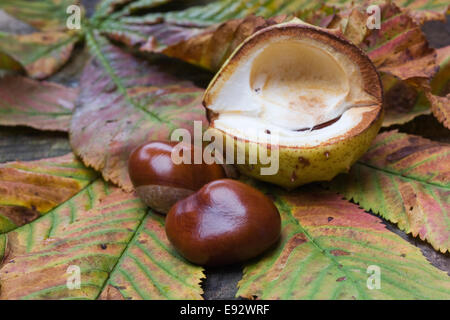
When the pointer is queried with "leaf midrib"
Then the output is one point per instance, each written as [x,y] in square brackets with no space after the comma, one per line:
[387,171]
[123,255]
[123,90]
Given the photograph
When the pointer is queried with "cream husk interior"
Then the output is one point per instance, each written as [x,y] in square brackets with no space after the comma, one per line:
[287,84]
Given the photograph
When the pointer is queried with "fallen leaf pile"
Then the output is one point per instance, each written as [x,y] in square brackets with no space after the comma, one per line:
[80,209]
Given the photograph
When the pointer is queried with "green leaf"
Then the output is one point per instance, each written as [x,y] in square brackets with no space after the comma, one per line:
[138,5]
[150,268]
[90,231]
[325,252]
[45,15]
[3,242]
[425,10]
[401,54]
[106,7]
[29,190]
[223,10]
[124,102]
[40,54]
[45,106]
[404,179]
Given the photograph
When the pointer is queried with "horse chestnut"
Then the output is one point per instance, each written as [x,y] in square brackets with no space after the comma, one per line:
[226,221]
[160,182]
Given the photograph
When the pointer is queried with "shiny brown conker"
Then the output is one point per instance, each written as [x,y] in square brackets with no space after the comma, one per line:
[160,182]
[225,222]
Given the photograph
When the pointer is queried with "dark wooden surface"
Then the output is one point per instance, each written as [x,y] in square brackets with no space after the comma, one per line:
[21,143]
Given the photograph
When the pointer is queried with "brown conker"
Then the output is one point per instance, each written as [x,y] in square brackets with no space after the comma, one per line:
[225,222]
[160,182]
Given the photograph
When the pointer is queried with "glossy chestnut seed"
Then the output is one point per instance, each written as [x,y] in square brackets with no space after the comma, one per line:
[160,182]
[224,222]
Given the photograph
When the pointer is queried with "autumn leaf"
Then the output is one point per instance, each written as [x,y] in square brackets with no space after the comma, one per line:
[185,34]
[399,47]
[40,54]
[117,8]
[29,190]
[152,269]
[124,102]
[121,251]
[220,11]
[441,108]
[45,15]
[210,49]
[439,94]
[426,10]
[106,7]
[420,10]
[326,249]
[401,53]
[3,241]
[148,38]
[405,179]
[45,106]
[402,101]
[45,51]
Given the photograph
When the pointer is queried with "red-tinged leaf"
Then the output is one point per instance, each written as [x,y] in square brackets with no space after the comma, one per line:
[420,10]
[399,47]
[40,54]
[426,10]
[211,48]
[124,102]
[204,35]
[406,180]
[106,233]
[29,190]
[148,38]
[117,8]
[327,248]
[221,11]
[41,105]
[439,96]
[42,14]
[93,242]
[441,108]
[152,269]
[401,53]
